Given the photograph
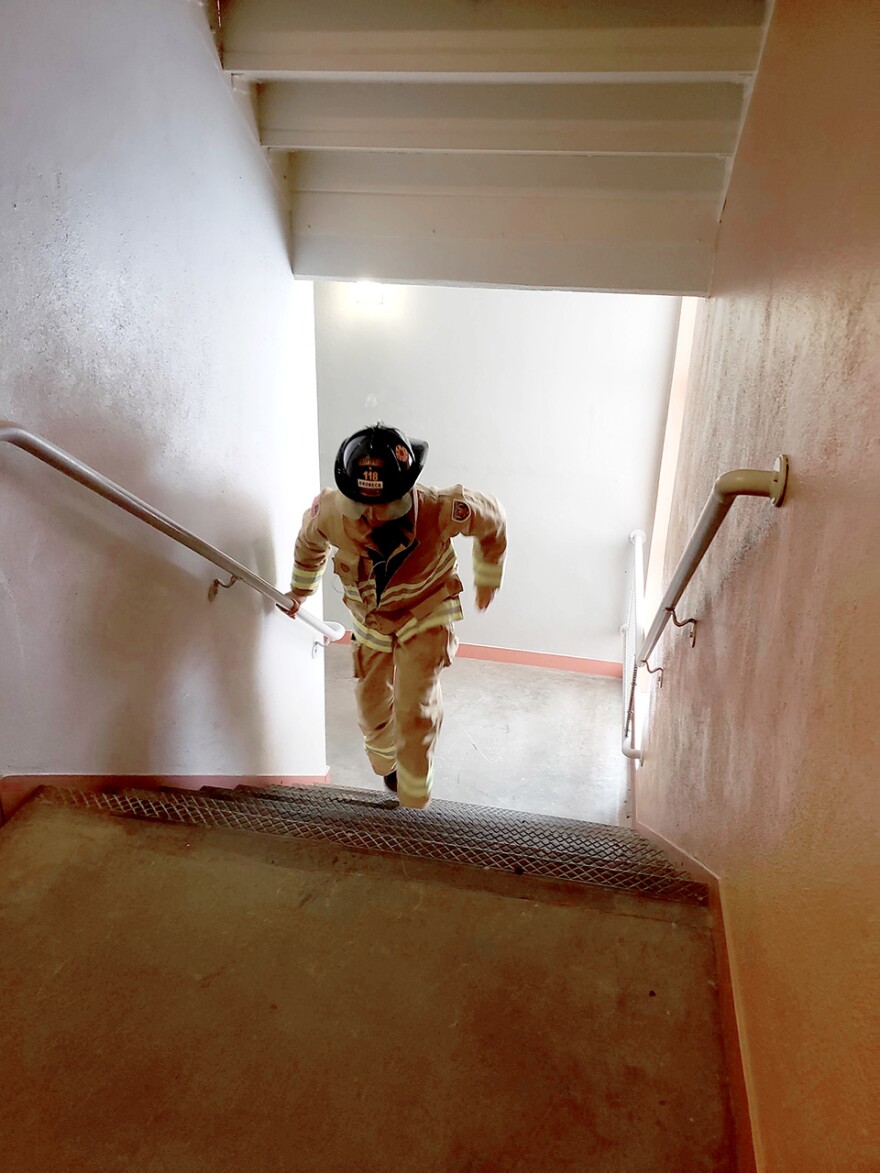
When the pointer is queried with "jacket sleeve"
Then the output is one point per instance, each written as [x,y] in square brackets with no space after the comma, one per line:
[310,553]
[481,517]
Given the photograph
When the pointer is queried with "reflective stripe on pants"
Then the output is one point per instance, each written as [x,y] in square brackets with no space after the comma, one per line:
[400,708]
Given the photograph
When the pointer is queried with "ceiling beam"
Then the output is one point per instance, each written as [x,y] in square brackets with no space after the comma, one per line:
[402,173]
[663,38]
[568,222]
[682,269]
[643,119]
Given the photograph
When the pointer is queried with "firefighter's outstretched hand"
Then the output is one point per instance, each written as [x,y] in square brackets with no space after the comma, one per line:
[484,596]
[295,604]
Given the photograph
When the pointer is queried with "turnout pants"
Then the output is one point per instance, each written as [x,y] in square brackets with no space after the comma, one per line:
[400,708]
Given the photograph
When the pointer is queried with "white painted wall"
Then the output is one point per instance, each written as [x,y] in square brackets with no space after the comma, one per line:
[149,323]
[553,401]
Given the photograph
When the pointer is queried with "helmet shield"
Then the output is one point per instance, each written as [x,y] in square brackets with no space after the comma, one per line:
[377,465]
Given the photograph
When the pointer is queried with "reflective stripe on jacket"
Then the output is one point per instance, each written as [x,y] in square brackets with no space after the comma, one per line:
[422,585]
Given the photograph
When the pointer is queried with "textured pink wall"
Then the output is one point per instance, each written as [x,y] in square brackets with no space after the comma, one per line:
[762,754]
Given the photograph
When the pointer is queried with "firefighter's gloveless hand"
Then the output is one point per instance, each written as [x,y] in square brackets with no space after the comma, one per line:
[484,596]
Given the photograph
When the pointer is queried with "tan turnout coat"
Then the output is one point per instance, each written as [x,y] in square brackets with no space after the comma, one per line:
[423,585]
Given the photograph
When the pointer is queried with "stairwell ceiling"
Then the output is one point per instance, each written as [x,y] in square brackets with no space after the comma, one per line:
[571,144]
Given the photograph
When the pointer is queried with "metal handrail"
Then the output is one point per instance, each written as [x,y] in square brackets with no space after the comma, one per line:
[740,482]
[12,433]
[633,632]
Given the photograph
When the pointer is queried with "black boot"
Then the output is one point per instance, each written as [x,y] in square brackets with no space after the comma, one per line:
[390,781]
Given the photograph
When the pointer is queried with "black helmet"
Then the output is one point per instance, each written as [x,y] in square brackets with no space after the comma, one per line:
[378,464]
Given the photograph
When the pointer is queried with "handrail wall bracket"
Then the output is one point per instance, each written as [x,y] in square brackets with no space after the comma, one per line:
[684,623]
[218,585]
[653,672]
[753,482]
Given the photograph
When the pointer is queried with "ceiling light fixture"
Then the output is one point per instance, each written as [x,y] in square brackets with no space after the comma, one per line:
[368,293]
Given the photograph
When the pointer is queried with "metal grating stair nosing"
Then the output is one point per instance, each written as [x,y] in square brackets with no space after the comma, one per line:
[508,841]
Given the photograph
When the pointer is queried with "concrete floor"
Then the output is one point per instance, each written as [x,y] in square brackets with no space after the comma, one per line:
[189,1000]
[520,738]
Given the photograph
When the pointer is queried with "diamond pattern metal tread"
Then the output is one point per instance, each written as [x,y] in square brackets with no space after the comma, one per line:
[367,820]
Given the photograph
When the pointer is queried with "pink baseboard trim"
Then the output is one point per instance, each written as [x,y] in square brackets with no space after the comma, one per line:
[541,660]
[16,789]
[746,1161]
[533,659]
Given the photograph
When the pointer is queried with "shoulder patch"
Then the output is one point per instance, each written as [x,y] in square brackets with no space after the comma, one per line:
[461,511]
[316,505]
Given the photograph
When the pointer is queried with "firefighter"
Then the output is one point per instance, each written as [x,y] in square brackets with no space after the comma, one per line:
[395,559]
